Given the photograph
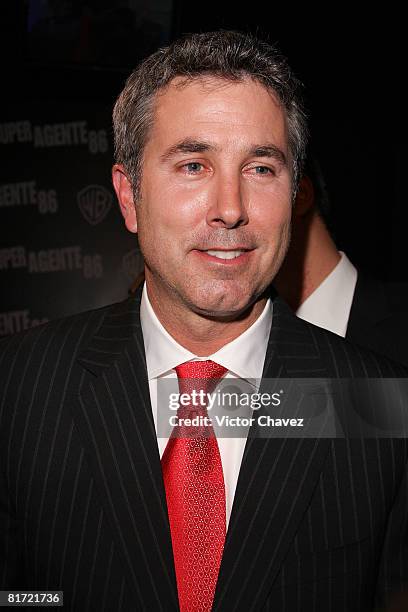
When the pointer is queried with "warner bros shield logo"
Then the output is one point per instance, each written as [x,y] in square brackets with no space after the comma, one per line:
[94,202]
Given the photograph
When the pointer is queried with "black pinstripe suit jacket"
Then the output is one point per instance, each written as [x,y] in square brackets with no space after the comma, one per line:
[317,524]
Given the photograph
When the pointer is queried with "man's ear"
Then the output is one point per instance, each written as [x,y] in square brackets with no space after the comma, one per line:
[124,192]
[305,197]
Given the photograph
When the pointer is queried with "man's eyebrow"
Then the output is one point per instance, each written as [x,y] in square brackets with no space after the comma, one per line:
[269,150]
[187,145]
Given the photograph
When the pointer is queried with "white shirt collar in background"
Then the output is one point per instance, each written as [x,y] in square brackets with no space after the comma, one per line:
[329,305]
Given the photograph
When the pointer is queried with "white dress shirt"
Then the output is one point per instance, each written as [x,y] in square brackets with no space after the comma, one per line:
[329,305]
[243,358]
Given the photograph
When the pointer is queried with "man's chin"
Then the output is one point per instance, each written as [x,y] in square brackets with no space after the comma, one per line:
[224,308]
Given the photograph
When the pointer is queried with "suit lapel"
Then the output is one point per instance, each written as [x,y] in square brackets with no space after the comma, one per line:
[276,480]
[114,418]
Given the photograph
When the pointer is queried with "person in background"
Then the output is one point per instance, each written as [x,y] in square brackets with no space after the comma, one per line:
[322,285]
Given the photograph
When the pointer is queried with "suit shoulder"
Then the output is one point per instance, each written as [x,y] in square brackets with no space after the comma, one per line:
[90,319]
[397,293]
[378,317]
[350,359]
[28,349]
[383,298]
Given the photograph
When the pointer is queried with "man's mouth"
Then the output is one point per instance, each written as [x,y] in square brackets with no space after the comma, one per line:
[225,254]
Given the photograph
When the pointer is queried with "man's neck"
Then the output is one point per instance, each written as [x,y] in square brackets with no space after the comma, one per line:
[199,334]
[312,256]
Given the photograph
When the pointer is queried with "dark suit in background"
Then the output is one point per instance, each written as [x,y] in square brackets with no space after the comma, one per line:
[317,524]
[379,317]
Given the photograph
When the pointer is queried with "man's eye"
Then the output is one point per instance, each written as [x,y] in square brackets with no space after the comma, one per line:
[193,167]
[263,170]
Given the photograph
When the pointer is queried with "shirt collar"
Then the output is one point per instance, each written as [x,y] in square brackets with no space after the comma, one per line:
[329,305]
[244,356]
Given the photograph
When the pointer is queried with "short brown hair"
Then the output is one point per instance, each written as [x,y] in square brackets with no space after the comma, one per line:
[224,54]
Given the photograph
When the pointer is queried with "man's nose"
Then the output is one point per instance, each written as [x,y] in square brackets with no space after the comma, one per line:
[228,207]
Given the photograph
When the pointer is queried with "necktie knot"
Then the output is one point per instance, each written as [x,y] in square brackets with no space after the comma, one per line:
[200,369]
[199,376]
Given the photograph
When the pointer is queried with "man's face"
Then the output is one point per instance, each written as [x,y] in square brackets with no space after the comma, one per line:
[214,213]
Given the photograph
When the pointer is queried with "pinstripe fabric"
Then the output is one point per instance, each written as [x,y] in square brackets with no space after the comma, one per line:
[316,524]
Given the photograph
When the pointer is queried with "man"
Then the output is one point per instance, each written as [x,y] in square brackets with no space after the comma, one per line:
[323,287]
[209,138]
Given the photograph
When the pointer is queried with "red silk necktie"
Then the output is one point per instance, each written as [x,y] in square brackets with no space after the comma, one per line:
[195,492]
